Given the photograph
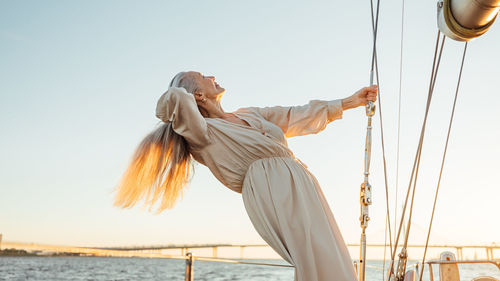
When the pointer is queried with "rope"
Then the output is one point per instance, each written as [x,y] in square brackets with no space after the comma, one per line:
[429,98]
[384,159]
[375,31]
[385,247]
[375,65]
[444,157]
[399,112]
[399,125]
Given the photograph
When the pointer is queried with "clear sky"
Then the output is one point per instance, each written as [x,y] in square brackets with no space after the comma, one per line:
[79,81]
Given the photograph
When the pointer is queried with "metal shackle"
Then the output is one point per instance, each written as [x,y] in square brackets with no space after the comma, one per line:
[370,109]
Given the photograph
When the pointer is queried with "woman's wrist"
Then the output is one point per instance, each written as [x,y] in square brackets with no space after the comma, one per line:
[348,103]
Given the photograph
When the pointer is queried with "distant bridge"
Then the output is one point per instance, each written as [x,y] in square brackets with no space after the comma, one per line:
[156,250]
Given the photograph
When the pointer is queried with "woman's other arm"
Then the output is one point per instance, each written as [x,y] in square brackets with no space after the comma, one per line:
[179,107]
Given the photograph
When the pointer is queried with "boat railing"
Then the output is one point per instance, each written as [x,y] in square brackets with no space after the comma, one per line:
[190,258]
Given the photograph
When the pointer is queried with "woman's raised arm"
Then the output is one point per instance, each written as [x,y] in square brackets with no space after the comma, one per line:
[313,117]
[179,107]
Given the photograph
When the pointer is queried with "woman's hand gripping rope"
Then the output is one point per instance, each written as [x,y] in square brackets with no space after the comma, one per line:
[361,97]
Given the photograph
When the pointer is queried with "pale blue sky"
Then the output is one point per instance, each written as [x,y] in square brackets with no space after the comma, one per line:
[79,83]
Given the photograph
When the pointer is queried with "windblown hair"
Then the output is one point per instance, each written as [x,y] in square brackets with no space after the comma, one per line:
[161,165]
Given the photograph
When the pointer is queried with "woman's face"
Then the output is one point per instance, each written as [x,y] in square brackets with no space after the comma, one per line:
[207,85]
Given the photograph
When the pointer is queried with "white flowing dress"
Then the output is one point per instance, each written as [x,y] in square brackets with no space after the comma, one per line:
[283,199]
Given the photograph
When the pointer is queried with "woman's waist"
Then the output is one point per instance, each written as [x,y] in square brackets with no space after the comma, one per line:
[290,159]
[234,177]
[275,165]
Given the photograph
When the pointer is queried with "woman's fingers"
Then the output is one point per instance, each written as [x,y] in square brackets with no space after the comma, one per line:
[364,95]
[371,93]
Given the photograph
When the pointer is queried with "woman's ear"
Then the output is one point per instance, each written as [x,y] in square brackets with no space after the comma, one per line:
[198,93]
[199,97]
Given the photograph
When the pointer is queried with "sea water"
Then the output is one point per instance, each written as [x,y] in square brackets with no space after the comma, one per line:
[121,269]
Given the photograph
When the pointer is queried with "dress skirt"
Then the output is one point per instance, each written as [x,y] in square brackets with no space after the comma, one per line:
[288,209]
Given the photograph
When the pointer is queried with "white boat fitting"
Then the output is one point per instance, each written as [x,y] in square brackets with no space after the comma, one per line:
[448,271]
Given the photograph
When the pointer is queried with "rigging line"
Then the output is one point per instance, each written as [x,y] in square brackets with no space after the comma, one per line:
[393,254]
[375,65]
[418,164]
[444,157]
[383,157]
[375,32]
[399,112]
[385,247]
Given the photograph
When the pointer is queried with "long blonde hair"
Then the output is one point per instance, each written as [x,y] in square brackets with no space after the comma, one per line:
[161,165]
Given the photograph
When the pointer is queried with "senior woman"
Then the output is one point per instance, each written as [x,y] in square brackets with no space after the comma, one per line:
[247,152]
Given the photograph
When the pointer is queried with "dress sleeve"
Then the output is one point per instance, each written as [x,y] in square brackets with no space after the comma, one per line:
[311,118]
[179,107]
